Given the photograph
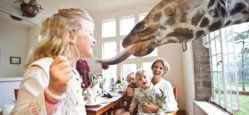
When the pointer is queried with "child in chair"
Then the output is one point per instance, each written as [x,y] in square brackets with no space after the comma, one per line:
[128,94]
[145,93]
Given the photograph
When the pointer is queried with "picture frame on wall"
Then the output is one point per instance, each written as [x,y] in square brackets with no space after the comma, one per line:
[15,60]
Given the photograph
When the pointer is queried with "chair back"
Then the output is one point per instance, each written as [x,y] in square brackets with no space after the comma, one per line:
[16,91]
[175,92]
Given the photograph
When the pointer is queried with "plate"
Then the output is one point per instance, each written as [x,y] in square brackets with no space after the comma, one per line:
[92,104]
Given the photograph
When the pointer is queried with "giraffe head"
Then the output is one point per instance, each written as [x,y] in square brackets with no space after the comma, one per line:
[178,21]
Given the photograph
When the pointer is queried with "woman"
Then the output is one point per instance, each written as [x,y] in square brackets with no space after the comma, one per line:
[159,69]
[51,84]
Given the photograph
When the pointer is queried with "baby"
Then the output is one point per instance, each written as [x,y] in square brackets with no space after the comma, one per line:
[145,92]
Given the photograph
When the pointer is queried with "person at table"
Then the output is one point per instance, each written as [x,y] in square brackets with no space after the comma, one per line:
[159,69]
[146,93]
[51,85]
[124,107]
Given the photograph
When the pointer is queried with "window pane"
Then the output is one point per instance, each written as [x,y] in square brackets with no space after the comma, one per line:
[126,24]
[127,68]
[109,49]
[109,28]
[147,67]
[108,75]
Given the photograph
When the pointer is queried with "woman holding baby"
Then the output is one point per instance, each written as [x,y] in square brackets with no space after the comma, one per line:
[159,68]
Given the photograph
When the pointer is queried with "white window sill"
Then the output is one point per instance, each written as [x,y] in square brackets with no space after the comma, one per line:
[5,79]
[209,108]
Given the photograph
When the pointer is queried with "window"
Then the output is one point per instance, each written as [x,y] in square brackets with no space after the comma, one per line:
[108,75]
[126,24]
[109,49]
[147,67]
[126,69]
[225,59]
[113,32]
[108,28]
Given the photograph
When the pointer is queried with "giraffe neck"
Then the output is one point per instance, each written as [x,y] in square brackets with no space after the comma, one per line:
[177,21]
[193,21]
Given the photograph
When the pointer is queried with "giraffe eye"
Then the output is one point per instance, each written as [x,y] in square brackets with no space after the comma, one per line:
[139,26]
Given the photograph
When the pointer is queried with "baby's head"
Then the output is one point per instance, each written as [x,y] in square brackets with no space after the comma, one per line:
[143,79]
[131,78]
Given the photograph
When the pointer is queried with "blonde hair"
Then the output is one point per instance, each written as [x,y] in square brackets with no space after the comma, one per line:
[55,34]
[140,73]
[166,67]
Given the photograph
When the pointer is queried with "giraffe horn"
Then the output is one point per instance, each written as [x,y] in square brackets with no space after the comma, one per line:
[120,57]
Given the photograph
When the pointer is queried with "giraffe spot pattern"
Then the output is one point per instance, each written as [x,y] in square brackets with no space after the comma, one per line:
[171,20]
[183,17]
[139,26]
[172,41]
[237,22]
[182,34]
[162,27]
[204,22]
[215,26]
[245,12]
[222,2]
[221,10]
[199,34]
[196,19]
[216,12]
[211,3]
[228,22]
[238,8]
[157,17]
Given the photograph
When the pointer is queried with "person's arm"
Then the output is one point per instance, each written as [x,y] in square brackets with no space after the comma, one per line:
[134,101]
[33,98]
[31,93]
[169,103]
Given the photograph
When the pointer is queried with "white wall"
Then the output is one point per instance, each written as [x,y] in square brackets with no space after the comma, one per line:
[13,42]
[189,84]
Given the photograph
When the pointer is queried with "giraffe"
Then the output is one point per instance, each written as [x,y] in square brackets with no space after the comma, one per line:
[178,21]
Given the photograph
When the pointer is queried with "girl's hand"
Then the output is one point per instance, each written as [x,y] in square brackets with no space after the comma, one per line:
[60,74]
[150,107]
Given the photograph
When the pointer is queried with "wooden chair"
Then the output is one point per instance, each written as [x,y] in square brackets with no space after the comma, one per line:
[175,92]
[16,91]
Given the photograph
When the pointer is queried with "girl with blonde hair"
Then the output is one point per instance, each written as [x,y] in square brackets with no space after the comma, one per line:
[51,84]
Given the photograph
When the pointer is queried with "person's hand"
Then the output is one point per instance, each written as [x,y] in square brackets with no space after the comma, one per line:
[131,110]
[149,107]
[130,92]
[60,74]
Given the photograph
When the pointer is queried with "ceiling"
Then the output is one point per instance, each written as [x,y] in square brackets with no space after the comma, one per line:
[92,6]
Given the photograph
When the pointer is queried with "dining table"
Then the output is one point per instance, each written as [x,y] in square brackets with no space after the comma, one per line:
[105,105]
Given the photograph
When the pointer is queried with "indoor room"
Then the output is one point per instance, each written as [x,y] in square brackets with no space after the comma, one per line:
[204,44]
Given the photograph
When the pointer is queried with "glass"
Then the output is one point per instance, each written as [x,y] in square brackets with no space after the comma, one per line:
[126,24]
[109,28]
